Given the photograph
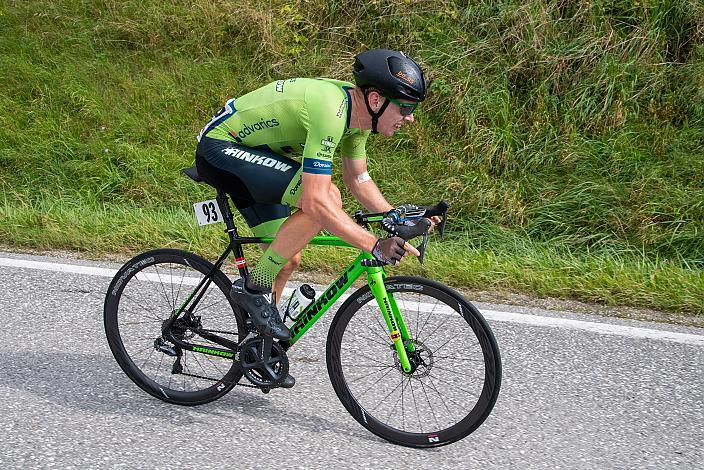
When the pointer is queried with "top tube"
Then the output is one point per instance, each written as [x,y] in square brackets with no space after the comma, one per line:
[323,240]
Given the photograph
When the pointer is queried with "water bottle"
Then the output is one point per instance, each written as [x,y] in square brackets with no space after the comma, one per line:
[302,297]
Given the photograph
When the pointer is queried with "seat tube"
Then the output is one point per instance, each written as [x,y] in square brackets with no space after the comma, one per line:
[375,278]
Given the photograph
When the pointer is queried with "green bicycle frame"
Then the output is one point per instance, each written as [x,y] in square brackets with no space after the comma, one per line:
[375,278]
[364,263]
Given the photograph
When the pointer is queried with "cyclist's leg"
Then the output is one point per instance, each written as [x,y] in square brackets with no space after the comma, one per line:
[265,185]
[255,179]
[297,230]
[265,221]
[302,231]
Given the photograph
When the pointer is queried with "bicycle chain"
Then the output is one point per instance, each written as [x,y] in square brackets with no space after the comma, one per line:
[246,385]
[215,380]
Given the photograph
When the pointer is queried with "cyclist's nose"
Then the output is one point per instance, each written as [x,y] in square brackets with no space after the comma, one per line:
[409,118]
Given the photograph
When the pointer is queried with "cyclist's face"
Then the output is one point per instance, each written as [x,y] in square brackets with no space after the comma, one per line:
[393,119]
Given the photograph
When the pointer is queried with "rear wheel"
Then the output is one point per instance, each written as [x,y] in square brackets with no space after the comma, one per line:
[456,364]
[142,296]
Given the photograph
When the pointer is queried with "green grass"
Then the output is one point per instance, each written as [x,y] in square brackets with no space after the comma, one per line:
[568,136]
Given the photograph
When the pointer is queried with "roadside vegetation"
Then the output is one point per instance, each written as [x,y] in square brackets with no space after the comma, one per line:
[568,136]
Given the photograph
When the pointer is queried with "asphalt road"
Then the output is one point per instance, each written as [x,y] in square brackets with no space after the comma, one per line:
[578,392]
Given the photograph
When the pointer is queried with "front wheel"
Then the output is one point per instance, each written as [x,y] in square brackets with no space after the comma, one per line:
[456,364]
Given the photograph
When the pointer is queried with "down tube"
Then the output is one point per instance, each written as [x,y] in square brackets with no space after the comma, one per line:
[315,310]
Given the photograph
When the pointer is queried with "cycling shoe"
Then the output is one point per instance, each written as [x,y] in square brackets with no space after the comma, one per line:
[264,314]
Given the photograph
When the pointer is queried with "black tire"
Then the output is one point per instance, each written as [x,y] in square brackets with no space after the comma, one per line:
[141,296]
[363,367]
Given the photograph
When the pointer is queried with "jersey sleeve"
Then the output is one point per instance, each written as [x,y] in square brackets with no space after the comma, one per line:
[324,117]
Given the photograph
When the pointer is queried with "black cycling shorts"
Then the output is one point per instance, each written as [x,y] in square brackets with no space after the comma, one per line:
[263,185]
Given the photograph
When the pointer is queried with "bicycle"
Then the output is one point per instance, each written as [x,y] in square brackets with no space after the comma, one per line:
[433,352]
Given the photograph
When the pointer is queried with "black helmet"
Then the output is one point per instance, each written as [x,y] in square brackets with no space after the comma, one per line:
[393,73]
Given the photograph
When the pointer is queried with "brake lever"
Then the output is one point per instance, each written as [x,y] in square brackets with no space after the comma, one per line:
[422,246]
[443,206]
[441,228]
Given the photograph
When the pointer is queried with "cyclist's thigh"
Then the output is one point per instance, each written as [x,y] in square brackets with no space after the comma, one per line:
[265,219]
[257,175]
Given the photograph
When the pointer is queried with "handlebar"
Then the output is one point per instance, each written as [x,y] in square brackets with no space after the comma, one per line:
[394,222]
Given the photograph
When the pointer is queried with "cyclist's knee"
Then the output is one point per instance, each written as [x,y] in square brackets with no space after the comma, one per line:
[335,195]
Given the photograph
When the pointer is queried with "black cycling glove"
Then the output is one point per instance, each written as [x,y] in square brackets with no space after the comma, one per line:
[389,250]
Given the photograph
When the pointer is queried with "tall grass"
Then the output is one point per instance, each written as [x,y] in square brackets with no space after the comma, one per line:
[568,136]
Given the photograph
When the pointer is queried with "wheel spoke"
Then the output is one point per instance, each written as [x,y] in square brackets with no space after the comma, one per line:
[430,405]
[371,358]
[455,387]
[440,324]
[387,396]
[158,368]
[386,345]
[372,385]
[430,314]
[163,290]
[371,373]
[376,332]
[442,398]
[141,322]
[128,297]
[457,358]
[420,423]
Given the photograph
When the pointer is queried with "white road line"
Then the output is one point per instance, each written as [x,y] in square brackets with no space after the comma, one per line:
[494,315]
[58,267]
[594,327]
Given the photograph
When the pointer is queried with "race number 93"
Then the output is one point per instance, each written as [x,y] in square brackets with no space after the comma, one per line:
[207,212]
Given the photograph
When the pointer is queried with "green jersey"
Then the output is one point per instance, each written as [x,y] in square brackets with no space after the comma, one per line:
[298,117]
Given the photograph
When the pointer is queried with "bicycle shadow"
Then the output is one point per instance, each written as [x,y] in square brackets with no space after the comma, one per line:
[94,383]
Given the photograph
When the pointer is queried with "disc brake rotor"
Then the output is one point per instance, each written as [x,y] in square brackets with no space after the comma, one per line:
[421,360]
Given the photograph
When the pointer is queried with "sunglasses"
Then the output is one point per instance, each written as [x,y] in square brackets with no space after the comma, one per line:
[406,108]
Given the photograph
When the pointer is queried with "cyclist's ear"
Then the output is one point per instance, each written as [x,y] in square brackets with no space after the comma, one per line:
[375,99]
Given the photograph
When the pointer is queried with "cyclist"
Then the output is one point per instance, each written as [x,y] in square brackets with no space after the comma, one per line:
[248,150]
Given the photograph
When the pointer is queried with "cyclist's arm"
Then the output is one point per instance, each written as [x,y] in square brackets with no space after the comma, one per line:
[325,128]
[317,202]
[362,187]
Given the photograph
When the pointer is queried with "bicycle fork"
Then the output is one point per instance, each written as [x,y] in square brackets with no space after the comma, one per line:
[392,315]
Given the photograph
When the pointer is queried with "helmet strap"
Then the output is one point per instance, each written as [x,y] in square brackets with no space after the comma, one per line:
[375,116]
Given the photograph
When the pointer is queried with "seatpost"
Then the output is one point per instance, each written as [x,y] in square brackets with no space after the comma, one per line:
[232,232]
[226,212]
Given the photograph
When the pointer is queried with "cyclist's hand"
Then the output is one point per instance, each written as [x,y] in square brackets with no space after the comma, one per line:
[413,228]
[406,208]
[436,219]
[391,250]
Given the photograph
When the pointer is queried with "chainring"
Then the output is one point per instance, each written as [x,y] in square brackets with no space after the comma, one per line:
[263,370]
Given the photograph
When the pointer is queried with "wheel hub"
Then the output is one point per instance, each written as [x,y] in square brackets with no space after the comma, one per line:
[421,360]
